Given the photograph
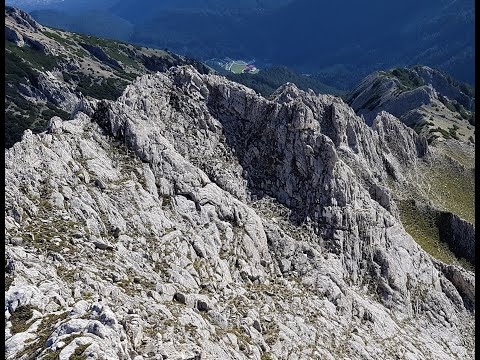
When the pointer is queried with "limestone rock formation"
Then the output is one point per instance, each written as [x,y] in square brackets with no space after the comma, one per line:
[194,219]
[460,234]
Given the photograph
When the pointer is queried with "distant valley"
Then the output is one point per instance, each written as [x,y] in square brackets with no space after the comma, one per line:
[340,48]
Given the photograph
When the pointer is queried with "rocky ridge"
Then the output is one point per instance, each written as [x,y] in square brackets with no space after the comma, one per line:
[421,97]
[441,109]
[192,218]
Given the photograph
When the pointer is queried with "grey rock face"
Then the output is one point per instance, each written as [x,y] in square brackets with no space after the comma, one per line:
[57,92]
[101,55]
[403,142]
[459,234]
[395,104]
[248,228]
[23,18]
[463,282]
[445,87]
[14,36]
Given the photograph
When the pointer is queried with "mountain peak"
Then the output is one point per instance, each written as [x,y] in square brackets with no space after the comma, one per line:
[22,18]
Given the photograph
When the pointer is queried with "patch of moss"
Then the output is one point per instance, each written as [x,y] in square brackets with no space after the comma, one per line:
[44,233]
[127,76]
[242,337]
[445,133]
[127,286]
[266,356]
[122,54]
[448,104]
[21,74]
[271,333]
[17,70]
[44,331]
[166,201]
[56,37]
[30,351]
[8,282]
[52,111]
[35,57]
[422,226]
[101,88]
[78,353]
[432,138]
[66,274]
[408,78]
[418,127]
[454,189]
[453,133]
[20,318]
[52,355]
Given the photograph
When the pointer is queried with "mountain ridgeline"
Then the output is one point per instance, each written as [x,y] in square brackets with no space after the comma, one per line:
[267,81]
[260,228]
[442,110]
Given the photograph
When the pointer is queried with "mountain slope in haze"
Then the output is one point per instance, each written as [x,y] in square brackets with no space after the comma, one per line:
[67,5]
[378,34]
[129,10]
[342,41]
[192,218]
[101,23]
